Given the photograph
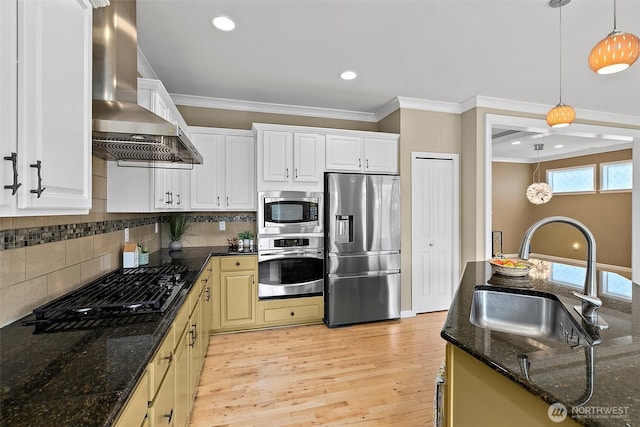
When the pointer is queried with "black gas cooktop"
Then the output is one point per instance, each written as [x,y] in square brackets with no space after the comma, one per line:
[130,295]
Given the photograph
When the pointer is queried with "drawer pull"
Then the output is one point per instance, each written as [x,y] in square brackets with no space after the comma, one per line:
[169,415]
[293,313]
[169,357]
[238,263]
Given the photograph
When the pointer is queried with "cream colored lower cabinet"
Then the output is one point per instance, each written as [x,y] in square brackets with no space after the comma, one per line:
[476,392]
[135,411]
[162,407]
[291,311]
[183,392]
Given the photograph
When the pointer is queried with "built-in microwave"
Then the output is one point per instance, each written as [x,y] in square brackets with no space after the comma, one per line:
[290,212]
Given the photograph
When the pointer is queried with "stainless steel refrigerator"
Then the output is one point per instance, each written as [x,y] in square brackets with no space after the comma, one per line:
[362,241]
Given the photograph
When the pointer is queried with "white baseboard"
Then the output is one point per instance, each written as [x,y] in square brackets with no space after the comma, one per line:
[407,313]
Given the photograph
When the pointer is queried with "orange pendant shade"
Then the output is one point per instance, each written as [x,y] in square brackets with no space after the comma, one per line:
[616,52]
[561,115]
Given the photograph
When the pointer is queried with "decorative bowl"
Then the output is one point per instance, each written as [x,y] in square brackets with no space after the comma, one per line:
[511,267]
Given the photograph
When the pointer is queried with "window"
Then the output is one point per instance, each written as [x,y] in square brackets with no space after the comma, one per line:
[572,180]
[615,285]
[568,274]
[616,176]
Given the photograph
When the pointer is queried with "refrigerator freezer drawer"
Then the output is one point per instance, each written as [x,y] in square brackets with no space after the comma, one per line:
[359,299]
[342,264]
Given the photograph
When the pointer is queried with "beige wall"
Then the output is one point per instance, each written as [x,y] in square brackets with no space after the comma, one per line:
[420,131]
[510,210]
[607,215]
[231,119]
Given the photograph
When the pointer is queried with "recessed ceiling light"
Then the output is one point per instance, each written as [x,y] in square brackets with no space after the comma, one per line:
[558,146]
[348,75]
[515,143]
[223,23]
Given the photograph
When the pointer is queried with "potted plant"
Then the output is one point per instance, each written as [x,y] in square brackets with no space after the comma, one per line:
[143,255]
[246,237]
[179,224]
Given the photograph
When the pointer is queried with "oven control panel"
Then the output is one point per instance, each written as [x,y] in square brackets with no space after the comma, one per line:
[290,243]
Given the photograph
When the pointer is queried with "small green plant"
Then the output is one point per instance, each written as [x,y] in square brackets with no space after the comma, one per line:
[179,224]
[143,248]
[246,235]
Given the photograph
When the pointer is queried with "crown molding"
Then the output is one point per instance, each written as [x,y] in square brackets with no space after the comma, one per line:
[542,109]
[266,107]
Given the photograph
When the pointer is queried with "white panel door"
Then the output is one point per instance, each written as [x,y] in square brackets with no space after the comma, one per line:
[306,150]
[344,153]
[207,179]
[276,162]
[380,155]
[240,181]
[432,234]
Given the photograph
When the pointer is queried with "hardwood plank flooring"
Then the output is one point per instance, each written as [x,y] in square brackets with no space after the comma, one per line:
[373,374]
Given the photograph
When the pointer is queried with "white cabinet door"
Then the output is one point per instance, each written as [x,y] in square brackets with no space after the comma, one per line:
[54,104]
[8,105]
[207,179]
[307,149]
[240,173]
[344,153]
[129,188]
[276,160]
[169,188]
[380,155]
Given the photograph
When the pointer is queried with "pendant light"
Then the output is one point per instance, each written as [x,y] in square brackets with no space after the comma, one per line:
[616,52]
[561,115]
[539,193]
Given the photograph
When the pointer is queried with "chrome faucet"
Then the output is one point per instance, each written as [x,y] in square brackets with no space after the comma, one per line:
[589,297]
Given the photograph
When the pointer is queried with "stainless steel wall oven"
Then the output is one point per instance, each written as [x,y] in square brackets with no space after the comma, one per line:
[290,266]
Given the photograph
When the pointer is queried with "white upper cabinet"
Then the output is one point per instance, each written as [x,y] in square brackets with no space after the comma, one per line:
[225,181]
[48,98]
[289,158]
[369,153]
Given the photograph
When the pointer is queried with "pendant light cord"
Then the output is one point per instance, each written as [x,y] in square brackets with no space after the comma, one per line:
[561,48]
[615,27]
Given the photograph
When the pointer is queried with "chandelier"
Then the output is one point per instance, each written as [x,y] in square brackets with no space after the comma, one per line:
[539,193]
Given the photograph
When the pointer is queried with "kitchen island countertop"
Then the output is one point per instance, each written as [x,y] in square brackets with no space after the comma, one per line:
[84,377]
[557,372]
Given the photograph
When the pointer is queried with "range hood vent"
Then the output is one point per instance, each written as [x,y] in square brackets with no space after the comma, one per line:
[122,129]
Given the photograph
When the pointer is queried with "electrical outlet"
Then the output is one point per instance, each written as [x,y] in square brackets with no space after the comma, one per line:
[222,226]
[156,228]
[126,235]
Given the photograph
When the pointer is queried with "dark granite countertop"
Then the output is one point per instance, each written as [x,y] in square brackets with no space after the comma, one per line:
[557,372]
[82,378]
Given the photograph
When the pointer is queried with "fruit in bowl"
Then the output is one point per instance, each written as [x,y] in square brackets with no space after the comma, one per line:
[510,267]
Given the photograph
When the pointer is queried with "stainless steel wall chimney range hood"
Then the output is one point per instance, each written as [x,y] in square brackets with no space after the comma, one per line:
[123,130]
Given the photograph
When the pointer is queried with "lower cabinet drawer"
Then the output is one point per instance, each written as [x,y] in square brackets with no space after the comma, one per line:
[294,313]
[160,363]
[161,410]
[238,263]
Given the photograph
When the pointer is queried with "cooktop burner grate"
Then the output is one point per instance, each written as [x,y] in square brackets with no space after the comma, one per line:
[118,298]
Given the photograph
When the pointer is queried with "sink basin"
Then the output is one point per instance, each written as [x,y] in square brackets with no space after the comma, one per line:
[526,313]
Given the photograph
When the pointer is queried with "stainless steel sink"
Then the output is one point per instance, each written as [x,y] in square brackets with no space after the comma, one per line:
[526,313]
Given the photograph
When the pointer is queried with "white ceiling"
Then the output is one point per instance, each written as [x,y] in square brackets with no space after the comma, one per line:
[292,52]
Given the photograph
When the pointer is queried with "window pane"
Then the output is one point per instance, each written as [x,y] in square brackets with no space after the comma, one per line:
[568,274]
[571,180]
[617,176]
[616,285]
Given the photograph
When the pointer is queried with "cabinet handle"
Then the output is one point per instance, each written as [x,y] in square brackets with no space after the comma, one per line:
[169,357]
[170,197]
[237,263]
[208,291]
[14,161]
[293,313]
[218,197]
[40,189]
[166,199]
[296,171]
[359,162]
[194,335]
[179,200]
[169,415]
[367,164]
[227,200]
[287,172]
[253,280]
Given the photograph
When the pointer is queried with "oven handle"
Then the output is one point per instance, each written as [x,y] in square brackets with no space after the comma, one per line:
[267,256]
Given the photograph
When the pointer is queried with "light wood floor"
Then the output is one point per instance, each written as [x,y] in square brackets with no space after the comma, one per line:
[374,374]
